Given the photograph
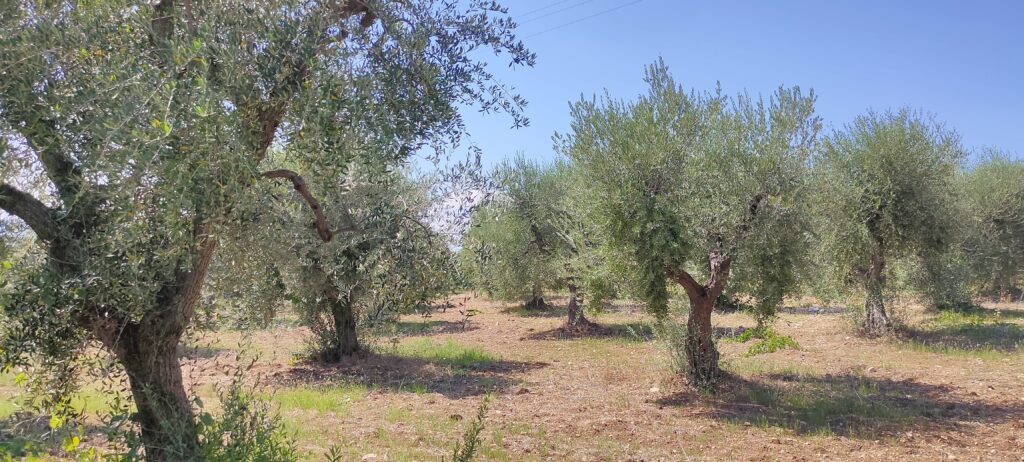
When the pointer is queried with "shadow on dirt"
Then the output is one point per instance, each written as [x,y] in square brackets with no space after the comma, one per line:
[631,332]
[428,328]
[847,405]
[395,373]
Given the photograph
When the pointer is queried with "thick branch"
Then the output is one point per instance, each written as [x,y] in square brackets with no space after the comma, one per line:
[322,226]
[693,288]
[719,265]
[36,214]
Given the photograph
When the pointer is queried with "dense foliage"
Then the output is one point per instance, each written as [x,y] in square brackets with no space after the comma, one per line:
[133,130]
[886,191]
[691,185]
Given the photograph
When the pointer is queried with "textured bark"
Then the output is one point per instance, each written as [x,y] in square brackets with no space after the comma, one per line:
[346,337]
[150,357]
[575,316]
[701,354]
[876,321]
[37,215]
[148,350]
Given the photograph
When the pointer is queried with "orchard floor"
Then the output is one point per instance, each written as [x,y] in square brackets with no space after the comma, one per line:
[948,388]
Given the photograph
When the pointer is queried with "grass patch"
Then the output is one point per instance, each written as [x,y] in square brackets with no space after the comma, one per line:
[336,399]
[767,340]
[973,333]
[449,353]
[827,406]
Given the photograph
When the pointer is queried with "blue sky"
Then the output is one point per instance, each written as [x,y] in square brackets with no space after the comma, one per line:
[962,61]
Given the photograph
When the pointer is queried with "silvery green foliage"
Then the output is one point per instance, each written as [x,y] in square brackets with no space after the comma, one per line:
[139,145]
[994,241]
[671,176]
[530,239]
[886,184]
[135,131]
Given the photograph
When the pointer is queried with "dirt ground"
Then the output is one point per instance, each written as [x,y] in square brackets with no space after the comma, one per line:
[950,393]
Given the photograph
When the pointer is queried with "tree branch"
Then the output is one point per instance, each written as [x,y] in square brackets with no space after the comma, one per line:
[323,228]
[36,214]
[693,288]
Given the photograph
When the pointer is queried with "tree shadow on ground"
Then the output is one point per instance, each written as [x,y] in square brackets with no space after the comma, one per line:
[396,373]
[847,405]
[634,332]
[428,328]
[998,336]
[550,310]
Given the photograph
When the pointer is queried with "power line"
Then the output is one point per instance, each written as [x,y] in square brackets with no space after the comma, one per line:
[543,8]
[599,13]
[574,5]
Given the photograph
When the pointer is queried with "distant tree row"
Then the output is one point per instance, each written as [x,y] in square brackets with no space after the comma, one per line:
[735,197]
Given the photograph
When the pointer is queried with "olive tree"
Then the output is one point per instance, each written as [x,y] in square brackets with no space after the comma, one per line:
[383,260]
[142,124]
[994,242]
[691,185]
[529,239]
[886,190]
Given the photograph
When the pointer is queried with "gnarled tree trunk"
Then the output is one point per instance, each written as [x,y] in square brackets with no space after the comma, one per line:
[701,353]
[575,317]
[148,350]
[346,340]
[876,321]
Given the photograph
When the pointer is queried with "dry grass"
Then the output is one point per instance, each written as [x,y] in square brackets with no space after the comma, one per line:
[951,386]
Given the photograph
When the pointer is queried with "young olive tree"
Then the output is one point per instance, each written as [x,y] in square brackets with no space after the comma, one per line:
[994,243]
[145,123]
[886,190]
[691,186]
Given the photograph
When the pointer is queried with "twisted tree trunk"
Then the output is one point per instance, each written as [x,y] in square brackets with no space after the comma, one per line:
[701,354]
[876,321]
[576,317]
[346,340]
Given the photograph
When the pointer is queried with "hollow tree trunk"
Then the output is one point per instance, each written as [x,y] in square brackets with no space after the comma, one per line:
[575,317]
[346,340]
[701,354]
[876,321]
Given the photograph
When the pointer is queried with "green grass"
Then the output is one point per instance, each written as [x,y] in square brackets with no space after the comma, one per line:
[449,353]
[855,406]
[767,341]
[336,398]
[971,334]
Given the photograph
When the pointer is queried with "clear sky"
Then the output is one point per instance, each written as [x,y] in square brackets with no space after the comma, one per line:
[963,61]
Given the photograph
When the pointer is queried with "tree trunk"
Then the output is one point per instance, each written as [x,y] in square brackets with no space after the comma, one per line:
[148,350]
[164,409]
[346,339]
[575,317]
[536,302]
[701,354]
[876,321]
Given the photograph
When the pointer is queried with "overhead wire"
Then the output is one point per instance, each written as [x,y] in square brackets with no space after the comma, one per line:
[599,13]
[574,5]
[552,4]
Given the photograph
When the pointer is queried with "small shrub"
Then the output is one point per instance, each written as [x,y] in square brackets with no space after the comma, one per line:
[465,450]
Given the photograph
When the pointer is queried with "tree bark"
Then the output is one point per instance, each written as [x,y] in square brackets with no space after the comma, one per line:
[164,410]
[701,353]
[575,317]
[876,321]
[345,334]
